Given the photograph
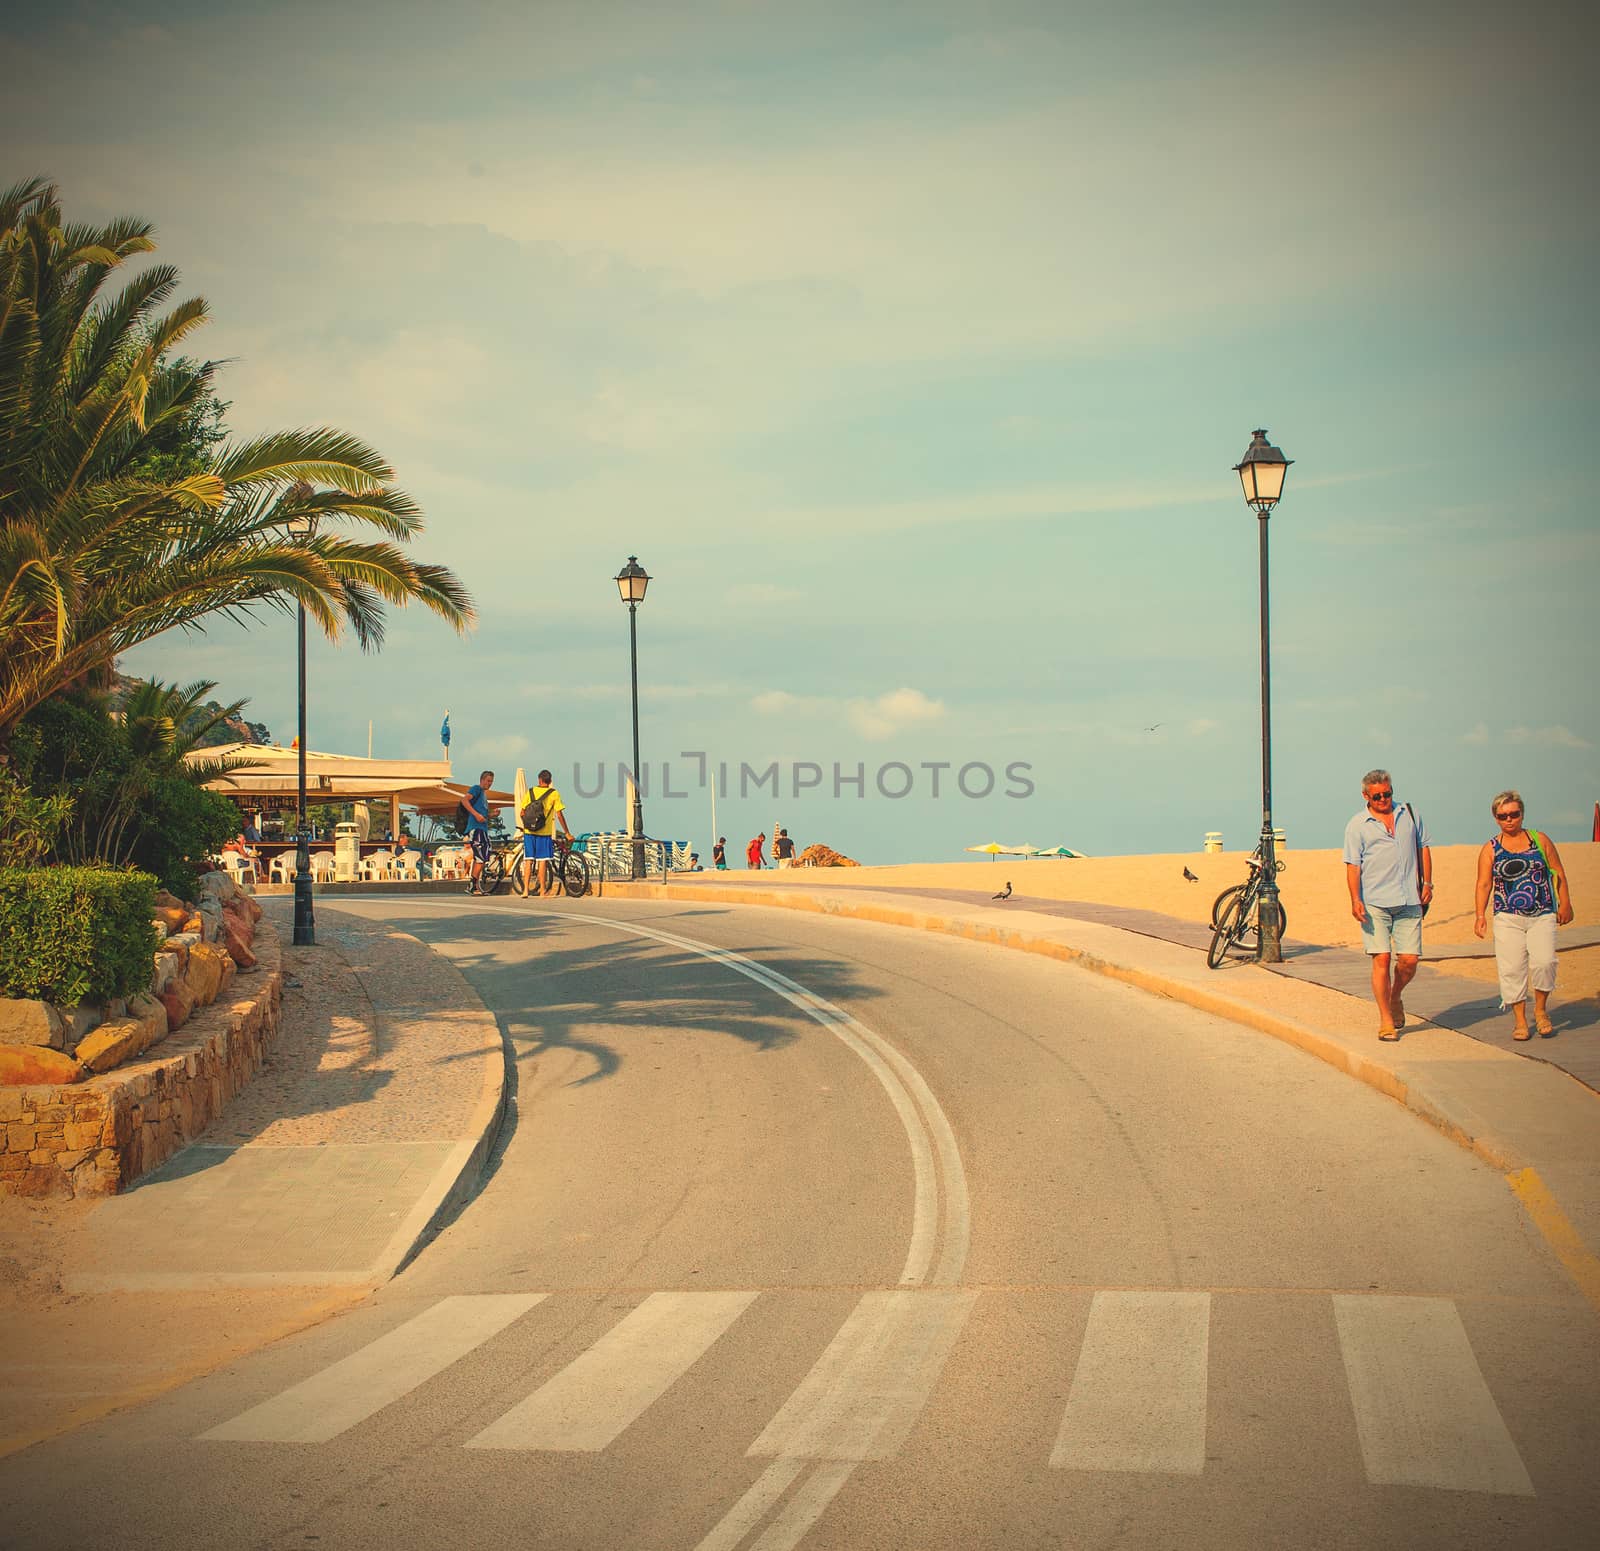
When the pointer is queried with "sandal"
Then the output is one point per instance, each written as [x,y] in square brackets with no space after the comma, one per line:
[1522,1034]
[1388,1033]
[1398,1008]
[1545,1027]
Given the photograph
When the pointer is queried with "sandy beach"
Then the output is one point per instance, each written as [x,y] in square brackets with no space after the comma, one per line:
[1312,885]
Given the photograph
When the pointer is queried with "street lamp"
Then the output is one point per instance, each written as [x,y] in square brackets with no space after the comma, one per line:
[1262,472]
[632,580]
[303,528]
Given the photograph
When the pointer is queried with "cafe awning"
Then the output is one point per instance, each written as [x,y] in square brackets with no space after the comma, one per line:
[274,772]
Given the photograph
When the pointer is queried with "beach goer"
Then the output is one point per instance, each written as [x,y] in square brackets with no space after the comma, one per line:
[754,857]
[539,843]
[1523,870]
[694,862]
[476,803]
[252,832]
[719,854]
[241,848]
[1388,856]
[783,849]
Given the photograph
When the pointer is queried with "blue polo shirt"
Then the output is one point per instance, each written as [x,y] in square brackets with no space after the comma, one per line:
[476,799]
[1388,862]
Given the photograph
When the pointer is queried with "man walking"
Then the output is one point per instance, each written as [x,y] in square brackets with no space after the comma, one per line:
[539,843]
[1388,860]
[477,805]
[754,858]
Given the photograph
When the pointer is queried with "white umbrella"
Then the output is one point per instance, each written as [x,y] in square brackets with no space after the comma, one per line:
[1061,851]
[519,793]
[1022,851]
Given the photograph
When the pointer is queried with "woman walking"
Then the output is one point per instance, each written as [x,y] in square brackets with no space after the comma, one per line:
[1523,870]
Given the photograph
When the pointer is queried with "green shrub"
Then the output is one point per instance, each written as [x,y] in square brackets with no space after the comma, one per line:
[67,933]
[180,824]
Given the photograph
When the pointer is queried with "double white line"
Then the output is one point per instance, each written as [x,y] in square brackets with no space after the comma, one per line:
[867,1389]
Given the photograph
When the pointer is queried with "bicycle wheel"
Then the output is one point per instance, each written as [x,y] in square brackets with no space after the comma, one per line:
[494,873]
[1221,901]
[519,876]
[1229,931]
[575,875]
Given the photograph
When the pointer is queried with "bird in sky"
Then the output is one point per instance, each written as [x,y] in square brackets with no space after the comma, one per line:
[1190,876]
[1154,725]
[1005,893]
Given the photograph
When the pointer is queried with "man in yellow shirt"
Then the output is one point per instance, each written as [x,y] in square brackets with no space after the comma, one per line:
[539,843]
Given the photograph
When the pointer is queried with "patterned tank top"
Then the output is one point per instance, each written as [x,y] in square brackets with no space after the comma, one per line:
[1521,882]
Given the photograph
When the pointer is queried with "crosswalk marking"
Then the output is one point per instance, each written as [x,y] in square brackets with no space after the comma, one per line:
[598,1395]
[1424,1414]
[1138,1397]
[867,1389]
[353,1389]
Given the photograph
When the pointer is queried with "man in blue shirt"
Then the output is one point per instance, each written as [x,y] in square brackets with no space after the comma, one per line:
[477,805]
[1388,863]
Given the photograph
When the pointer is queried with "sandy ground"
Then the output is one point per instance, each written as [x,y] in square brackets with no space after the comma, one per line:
[1312,885]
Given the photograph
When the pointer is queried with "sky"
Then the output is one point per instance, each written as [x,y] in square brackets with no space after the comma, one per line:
[910,347]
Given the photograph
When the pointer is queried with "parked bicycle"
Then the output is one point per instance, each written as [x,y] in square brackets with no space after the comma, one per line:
[1236,916]
[569,869]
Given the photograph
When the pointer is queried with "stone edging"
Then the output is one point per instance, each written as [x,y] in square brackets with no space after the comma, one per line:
[96,1137]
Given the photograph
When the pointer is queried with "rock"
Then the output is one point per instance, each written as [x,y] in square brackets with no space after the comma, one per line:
[178,1000]
[237,944]
[253,908]
[168,966]
[172,917]
[204,973]
[160,929]
[217,885]
[151,1016]
[183,942]
[80,1019]
[111,1044]
[31,1023]
[194,925]
[25,1065]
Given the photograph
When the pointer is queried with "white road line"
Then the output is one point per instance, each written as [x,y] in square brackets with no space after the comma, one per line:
[1138,1397]
[596,1397]
[928,1130]
[1424,1414]
[808,1504]
[867,1389]
[353,1389]
[745,1514]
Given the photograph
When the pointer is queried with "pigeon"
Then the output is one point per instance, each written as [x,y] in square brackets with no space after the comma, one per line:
[1006,894]
[1190,876]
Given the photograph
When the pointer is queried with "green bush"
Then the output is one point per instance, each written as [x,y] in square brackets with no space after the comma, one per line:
[180,825]
[70,933]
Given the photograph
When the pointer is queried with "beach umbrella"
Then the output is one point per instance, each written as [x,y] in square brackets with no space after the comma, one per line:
[519,793]
[992,849]
[1061,851]
[1024,851]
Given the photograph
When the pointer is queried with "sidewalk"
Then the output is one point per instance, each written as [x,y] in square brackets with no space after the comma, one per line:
[372,1115]
[1528,1119]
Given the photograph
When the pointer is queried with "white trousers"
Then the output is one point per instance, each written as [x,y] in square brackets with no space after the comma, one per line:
[1524,948]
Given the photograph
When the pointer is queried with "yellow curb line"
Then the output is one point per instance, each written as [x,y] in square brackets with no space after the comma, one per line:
[1556,1227]
[1552,1223]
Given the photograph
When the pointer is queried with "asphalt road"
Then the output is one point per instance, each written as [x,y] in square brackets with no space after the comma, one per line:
[815,1233]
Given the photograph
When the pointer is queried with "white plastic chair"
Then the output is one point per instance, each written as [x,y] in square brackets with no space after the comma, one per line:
[281,868]
[407,865]
[322,866]
[448,862]
[376,868]
[240,868]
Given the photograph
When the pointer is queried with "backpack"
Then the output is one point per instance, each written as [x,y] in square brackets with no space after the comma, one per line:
[461,818]
[533,812]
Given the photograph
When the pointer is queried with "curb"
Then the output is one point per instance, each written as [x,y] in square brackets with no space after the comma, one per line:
[1521,1177]
[456,1179]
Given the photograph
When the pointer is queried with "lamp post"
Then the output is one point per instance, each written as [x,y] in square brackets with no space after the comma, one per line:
[632,580]
[1262,472]
[303,528]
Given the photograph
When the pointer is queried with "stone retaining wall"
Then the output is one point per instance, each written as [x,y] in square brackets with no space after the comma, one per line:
[94,1138]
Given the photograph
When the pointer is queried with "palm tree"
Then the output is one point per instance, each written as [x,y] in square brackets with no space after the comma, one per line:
[102,545]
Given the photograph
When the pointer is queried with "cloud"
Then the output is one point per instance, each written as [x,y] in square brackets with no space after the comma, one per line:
[893,712]
[1557,737]
[1200,726]
[1478,737]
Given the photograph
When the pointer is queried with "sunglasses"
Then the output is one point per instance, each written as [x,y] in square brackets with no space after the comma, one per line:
[1514,814]
[1380,796]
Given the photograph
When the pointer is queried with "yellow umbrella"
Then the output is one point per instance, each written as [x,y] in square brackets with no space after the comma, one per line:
[992,849]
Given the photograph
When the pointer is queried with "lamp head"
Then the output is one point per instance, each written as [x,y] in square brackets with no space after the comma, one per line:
[632,580]
[1262,472]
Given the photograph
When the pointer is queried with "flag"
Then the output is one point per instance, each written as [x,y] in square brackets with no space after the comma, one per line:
[444,730]
[294,743]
